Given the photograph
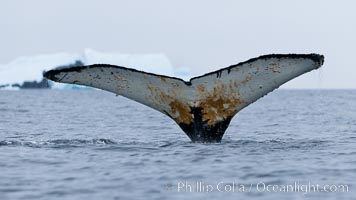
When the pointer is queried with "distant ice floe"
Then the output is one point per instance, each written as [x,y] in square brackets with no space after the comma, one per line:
[30,68]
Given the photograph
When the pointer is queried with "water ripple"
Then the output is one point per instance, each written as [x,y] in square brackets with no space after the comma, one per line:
[58,142]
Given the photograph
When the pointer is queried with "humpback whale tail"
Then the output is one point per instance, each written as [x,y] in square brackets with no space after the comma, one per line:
[204,106]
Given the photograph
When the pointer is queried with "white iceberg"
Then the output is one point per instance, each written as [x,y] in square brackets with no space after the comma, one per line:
[30,68]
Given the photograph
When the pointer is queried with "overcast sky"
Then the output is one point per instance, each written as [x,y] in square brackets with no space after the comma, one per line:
[201,35]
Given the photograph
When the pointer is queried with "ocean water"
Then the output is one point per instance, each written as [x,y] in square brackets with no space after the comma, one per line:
[89,144]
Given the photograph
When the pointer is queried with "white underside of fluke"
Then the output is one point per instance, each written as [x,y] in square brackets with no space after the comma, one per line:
[219,95]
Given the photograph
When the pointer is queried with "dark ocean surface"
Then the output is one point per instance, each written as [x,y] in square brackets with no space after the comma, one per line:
[89,144]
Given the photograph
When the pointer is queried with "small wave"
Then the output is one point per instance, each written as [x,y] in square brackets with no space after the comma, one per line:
[14,110]
[57,143]
[279,144]
[22,110]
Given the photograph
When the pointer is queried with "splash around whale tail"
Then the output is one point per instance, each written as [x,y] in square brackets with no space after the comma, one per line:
[204,106]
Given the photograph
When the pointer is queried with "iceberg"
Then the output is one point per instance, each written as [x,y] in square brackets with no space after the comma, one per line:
[155,63]
[29,69]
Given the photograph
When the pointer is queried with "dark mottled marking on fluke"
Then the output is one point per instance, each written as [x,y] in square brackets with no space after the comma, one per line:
[62,77]
[318,59]
[51,74]
[201,131]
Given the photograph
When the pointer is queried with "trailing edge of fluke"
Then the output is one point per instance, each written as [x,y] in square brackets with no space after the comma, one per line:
[204,106]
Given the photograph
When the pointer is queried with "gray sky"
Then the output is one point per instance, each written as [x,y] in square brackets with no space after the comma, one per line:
[202,35]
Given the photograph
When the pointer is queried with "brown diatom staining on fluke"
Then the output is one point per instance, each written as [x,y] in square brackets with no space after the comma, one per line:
[216,104]
[246,79]
[181,112]
[119,88]
[119,77]
[274,67]
[220,103]
[164,80]
[177,110]
[159,96]
[201,89]
[123,82]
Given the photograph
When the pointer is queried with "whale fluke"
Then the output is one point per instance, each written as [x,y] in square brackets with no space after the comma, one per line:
[204,106]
